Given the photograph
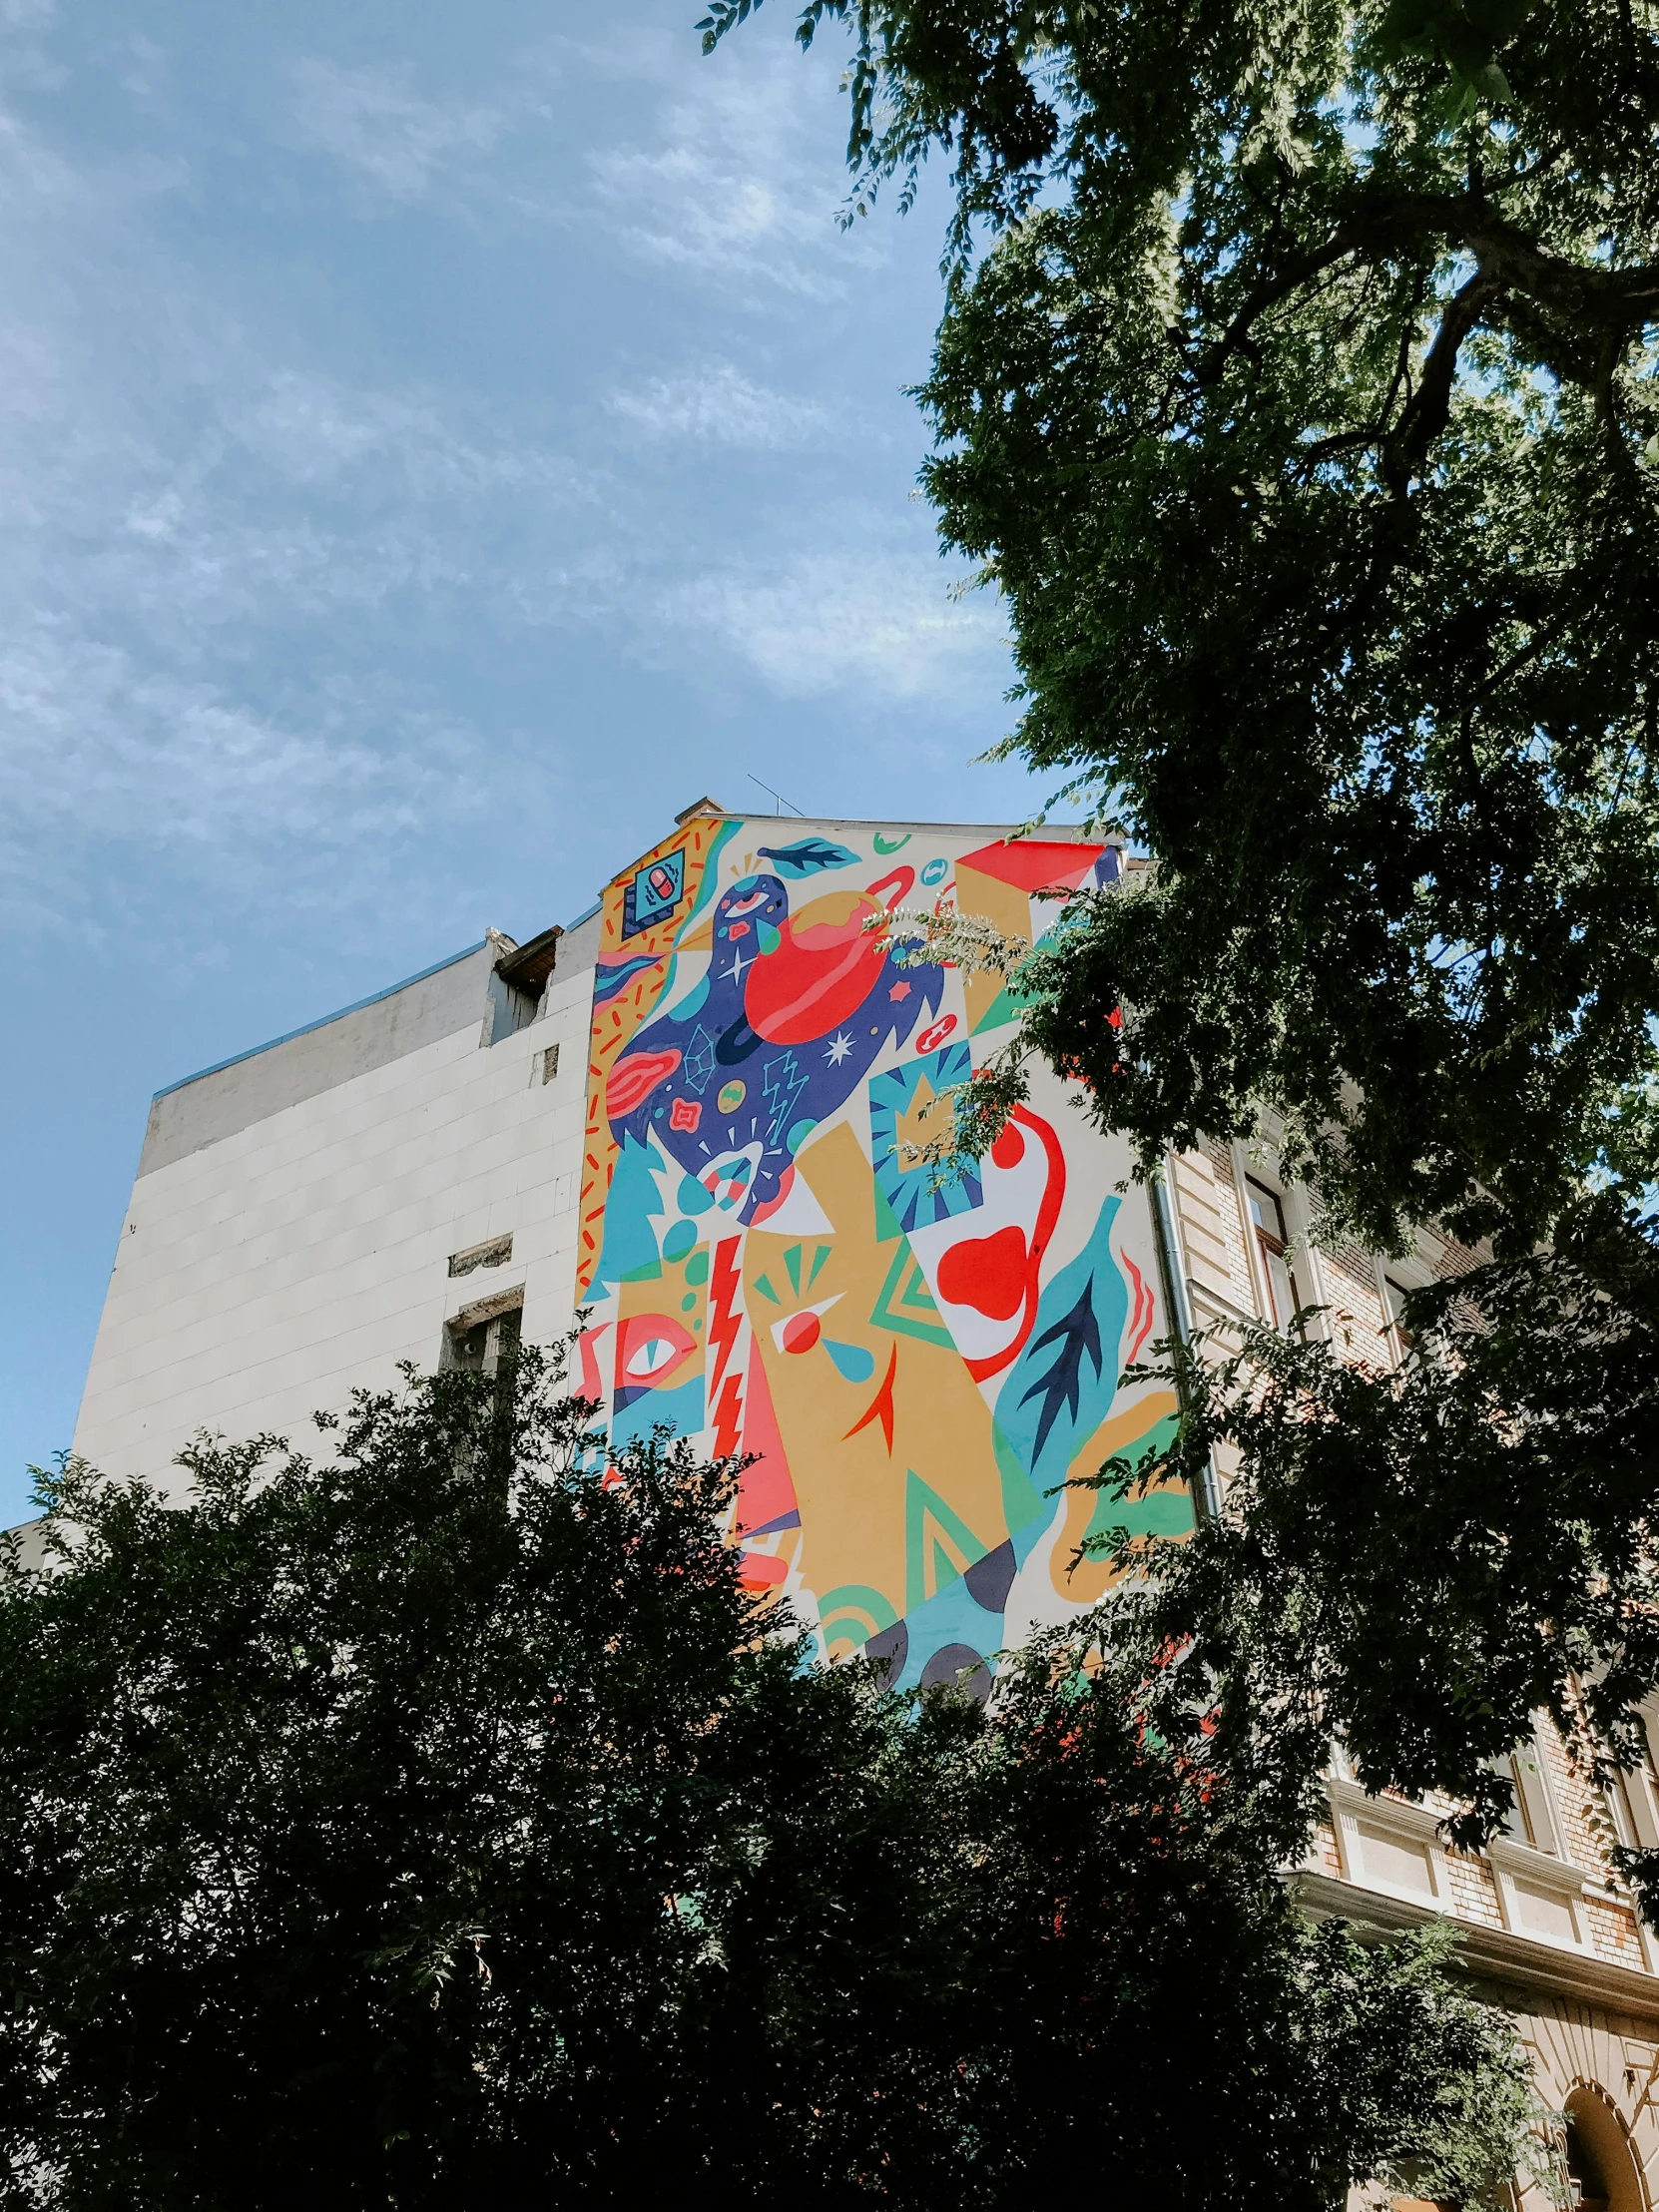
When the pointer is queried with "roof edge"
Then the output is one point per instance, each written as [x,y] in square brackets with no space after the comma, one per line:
[306,1027]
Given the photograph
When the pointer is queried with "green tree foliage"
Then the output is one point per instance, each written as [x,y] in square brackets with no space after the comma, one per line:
[441,1825]
[1296,388]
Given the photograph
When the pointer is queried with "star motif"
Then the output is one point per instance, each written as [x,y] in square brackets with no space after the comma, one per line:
[900,990]
[841,1044]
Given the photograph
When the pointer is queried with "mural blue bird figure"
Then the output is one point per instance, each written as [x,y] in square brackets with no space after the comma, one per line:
[783,1025]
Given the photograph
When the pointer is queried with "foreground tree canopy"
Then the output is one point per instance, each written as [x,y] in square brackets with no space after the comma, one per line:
[437,1827]
[1296,387]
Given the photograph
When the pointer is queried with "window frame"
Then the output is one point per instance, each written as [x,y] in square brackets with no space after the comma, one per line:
[1274,1246]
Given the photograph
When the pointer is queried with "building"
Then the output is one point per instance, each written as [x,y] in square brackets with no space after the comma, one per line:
[698,1116]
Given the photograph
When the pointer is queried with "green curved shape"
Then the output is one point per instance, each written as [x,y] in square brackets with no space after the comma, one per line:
[866,1609]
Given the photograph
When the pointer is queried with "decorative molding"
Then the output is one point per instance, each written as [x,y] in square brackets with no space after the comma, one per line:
[1492,1954]
[1419,1829]
[1412,1824]
[1512,1861]
[485,1309]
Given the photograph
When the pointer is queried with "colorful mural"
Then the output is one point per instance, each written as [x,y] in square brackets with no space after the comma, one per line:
[914,1367]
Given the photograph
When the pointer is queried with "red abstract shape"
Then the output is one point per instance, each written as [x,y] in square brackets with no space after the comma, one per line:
[722,1312]
[684,1113]
[727,1412]
[760,1570]
[588,1345]
[935,1033]
[880,1405]
[819,975]
[770,1205]
[1008,1152]
[900,990]
[800,1332]
[893,886]
[986,1272]
[765,1494]
[636,1078]
[1035,864]
[1140,1319]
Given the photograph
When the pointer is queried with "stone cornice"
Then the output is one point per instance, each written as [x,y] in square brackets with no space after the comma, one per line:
[1491,1953]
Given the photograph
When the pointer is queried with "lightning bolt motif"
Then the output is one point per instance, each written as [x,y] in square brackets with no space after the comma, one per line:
[781,1080]
[727,1416]
[724,1319]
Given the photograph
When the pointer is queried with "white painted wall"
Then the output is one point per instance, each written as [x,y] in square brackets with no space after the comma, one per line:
[265,1276]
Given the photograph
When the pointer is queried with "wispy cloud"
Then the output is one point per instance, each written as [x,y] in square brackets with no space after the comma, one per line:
[719,405]
[389,136]
[731,182]
[103,751]
[260,579]
[877,618]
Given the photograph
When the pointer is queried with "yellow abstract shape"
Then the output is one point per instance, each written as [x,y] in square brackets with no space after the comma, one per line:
[1089,1580]
[1006,909]
[850,1452]
[832,909]
[925,1121]
[620,1018]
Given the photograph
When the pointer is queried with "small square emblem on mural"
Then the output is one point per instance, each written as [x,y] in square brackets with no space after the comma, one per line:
[653,893]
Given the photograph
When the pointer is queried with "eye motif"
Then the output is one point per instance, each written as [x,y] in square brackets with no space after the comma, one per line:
[749,905]
[650,1349]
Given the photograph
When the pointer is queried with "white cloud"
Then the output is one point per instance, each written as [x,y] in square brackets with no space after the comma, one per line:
[719,405]
[882,620]
[372,122]
[739,182]
[239,805]
[258,586]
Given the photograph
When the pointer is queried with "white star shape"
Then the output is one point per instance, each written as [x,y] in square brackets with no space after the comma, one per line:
[841,1044]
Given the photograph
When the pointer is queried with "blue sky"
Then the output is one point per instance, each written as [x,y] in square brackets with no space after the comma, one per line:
[438,443]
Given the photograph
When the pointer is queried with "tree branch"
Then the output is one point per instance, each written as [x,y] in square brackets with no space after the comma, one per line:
[1611,301]
[1430,408]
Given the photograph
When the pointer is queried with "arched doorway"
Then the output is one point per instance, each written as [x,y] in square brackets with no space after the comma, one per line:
[1602,2166]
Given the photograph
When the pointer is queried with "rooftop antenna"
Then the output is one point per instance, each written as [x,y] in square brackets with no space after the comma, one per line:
[782,801]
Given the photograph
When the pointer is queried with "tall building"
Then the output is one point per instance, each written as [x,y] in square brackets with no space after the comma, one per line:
[705,1118]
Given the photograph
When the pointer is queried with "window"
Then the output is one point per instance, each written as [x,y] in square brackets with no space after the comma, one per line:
[1633,1801]
[517,984]
[1267,1215]
[510,1008]
[483,1337]
[1393,1299]
[1532,1817]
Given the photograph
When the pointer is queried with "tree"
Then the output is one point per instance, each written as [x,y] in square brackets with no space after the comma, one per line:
[1296,388]
[441,1825]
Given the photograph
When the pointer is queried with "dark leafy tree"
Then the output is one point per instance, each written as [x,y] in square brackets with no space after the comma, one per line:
[440,1825]
[1296,388]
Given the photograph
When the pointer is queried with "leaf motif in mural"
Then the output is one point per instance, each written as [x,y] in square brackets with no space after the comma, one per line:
[807,857]
[1076,1337]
